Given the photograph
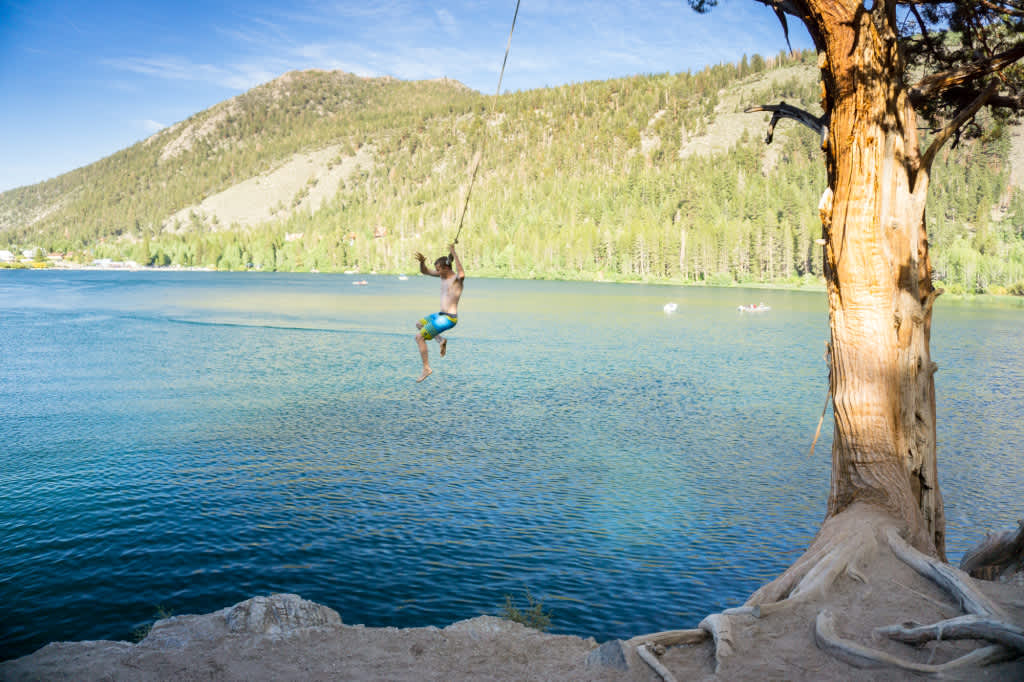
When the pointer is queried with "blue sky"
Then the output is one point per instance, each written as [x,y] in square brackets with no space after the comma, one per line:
[81,80]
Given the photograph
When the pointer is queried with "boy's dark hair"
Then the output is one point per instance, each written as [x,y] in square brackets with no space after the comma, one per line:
[443,260]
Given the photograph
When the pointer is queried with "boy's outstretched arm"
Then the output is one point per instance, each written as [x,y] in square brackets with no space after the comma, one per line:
[423,266]
[459,272]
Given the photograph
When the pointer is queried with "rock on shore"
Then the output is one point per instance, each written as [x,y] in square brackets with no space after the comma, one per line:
[284,637]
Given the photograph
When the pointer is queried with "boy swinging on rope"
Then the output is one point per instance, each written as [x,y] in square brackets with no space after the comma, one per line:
[432,326]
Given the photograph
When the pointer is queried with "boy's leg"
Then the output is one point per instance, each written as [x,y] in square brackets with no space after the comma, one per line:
[443,343]
[423,356]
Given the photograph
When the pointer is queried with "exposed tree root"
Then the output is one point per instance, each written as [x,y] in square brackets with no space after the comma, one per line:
[843,541]
[720,627]
[943,607]
[998,557]
[954,581]
[846,545]
[650,659]
[986,620]
[862,656]
[962,627]
[671,637]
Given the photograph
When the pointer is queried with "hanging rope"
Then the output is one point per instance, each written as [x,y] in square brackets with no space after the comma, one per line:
[828,396]
[480,154]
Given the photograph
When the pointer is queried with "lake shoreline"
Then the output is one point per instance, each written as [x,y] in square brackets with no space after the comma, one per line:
[816,286]
[283,636]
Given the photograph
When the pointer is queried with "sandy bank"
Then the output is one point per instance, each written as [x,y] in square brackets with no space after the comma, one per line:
[283,637]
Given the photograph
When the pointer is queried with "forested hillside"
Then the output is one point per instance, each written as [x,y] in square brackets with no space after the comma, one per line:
[658,177]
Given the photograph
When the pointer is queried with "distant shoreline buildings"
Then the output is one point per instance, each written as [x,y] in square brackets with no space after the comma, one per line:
[30,259]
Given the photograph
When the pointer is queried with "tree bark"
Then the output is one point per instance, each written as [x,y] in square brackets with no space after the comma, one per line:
[878,275]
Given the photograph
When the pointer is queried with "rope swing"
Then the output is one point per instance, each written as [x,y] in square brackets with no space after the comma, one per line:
[480,153]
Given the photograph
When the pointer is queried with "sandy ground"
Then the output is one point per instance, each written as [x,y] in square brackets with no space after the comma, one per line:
[283,637]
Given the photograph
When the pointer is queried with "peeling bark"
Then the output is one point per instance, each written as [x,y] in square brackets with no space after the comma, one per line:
[878,274]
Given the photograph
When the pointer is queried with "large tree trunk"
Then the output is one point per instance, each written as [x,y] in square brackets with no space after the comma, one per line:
[879,278]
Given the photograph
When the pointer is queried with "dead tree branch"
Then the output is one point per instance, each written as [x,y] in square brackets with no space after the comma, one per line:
[961,118]
[998,555]
[782,110]
[933,85]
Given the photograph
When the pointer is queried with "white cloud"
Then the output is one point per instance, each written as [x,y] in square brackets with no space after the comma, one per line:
[151,126]
[448,23]
[169,68]
[233,76]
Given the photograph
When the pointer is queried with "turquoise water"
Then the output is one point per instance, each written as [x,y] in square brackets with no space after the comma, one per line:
[189,440]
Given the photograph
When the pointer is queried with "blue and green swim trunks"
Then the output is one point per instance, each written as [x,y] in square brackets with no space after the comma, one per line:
[436,324]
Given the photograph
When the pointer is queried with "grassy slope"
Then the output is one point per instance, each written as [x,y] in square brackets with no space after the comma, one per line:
[655,177]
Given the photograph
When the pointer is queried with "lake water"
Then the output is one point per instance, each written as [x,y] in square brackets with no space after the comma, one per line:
[189,440]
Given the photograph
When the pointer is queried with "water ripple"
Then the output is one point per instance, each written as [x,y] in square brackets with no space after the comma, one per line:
[188,441]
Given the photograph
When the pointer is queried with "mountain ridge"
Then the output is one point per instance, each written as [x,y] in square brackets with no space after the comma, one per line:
[655,176]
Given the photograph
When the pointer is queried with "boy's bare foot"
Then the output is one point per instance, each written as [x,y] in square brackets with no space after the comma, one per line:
[444,347]
[426,373]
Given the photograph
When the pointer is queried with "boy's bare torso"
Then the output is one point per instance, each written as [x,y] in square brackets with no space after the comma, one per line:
[451,292]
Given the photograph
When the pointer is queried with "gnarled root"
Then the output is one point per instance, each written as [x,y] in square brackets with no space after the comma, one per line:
[671,637]
[983,622]
[842,541]
[834,552]
[717,625]
[649,647]
[962,627]
[652,660]
[847,545]
[954,581]
[862,656]
[721,629]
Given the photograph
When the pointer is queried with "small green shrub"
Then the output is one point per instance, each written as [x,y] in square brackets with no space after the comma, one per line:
[532,617]
[140,633]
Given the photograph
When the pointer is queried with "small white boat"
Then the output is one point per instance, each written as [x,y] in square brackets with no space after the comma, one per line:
[754,308]
[361,283]
[403,277]
[670,308]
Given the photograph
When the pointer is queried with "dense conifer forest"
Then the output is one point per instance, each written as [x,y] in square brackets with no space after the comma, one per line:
[657,177]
